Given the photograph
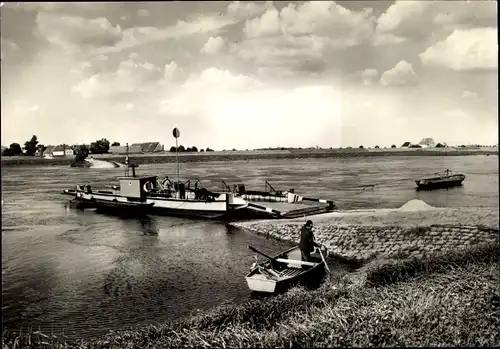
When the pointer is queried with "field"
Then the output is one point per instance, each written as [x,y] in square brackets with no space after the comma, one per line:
[168,157]
[449,300]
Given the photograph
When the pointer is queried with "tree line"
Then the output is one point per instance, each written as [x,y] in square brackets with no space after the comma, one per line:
[194,149]
[33,146]
[101,146]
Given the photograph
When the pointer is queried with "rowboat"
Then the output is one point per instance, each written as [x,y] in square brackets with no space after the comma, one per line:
[283,271]
[442,180]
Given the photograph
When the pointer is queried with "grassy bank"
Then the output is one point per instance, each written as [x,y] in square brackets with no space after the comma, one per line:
[241,155]
[449,300]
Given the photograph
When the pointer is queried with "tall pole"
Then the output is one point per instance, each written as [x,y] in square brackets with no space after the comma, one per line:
[177,158]
[126,163]
[176,134]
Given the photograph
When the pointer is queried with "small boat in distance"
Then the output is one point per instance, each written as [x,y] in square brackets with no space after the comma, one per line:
[443,180]
[283,271]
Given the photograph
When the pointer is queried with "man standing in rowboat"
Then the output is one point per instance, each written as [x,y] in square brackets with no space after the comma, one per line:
[307,243]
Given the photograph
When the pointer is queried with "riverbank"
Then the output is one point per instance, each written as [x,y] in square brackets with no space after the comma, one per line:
[416,229]
[450,300]
[168,157]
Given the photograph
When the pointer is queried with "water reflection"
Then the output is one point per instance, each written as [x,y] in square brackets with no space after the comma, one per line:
[149,226]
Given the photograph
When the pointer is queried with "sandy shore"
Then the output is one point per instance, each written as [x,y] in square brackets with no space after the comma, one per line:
[486,216]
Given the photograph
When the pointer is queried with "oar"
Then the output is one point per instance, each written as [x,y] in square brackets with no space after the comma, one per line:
[323,258]
[259,252]
[265,255]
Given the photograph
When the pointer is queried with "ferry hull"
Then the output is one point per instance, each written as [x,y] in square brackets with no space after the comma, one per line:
[158,206]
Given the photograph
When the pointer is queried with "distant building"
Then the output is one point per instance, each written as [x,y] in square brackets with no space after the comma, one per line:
[48,151]
[60,150]
[406,145]
[133,149]
[150,147]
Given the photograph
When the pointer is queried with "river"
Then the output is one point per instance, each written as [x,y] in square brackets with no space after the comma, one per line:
[86,273]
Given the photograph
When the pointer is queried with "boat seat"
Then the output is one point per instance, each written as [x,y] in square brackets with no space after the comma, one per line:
[290,272]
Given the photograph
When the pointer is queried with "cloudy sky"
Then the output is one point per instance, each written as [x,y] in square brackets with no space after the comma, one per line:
[250,74]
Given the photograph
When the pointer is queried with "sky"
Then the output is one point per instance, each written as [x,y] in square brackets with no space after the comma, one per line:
[250,75]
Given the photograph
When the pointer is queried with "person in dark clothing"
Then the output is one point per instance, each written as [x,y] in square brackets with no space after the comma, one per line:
[307,243]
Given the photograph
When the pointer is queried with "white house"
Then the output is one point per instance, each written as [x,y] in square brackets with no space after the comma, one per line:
[61,150]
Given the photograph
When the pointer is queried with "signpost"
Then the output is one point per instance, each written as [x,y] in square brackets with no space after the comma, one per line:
[176,134]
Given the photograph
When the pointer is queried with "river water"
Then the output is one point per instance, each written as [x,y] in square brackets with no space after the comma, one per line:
[85,273]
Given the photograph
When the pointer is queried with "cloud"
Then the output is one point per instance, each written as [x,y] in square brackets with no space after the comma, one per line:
[382,39]
[246,9]
[406,20]
[401,75]
[202,24]
[265,25]
[76,32]
[171,71]
[464,50]
[129,77]
[296,39]
[213,45]
[278,56]
[369,76]
[343,27]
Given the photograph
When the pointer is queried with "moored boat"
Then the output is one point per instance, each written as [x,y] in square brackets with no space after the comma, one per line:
[135,193]
[442,180]
[283,271]
[148,194]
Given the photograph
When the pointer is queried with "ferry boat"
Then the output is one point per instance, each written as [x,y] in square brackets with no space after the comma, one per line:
[146,194]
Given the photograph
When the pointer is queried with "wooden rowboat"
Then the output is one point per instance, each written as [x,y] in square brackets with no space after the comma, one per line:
[283,271]
[442,180]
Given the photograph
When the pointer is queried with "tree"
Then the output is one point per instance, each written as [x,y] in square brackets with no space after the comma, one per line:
[361,147]
[427,142]
[181,148]
[99,147]
[115,144]
[208,149]
[172,149]
[202,150]
[13,150]
[41,148]
[393,146]
[377,147]
[31,146]
[81,152]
